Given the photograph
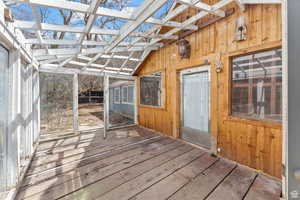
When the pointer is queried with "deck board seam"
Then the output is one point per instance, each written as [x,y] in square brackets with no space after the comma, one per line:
[222,180]
[248,189]
[190,180]
[202,154]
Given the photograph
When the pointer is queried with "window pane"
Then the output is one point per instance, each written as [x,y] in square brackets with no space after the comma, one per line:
[124,94]
[151,89]
[130,94]
[117,95]
[256,85]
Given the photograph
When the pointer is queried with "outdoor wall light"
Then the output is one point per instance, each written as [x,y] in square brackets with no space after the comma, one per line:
[184,48]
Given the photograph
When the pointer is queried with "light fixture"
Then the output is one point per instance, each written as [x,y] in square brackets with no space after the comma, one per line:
[184,48]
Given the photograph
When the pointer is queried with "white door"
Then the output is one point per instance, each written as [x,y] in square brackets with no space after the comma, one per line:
[195,84]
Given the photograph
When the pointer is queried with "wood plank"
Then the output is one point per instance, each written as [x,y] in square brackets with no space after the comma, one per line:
[55,172]
[235,186]
[61,159]
[202,185]
[161,155]
[264,188]
[75,150]
[95,166]
[131,188]
[166,187]
[108,184]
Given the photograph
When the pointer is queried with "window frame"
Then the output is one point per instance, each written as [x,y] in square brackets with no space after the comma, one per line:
[230,57]
[114,100]
[162,94]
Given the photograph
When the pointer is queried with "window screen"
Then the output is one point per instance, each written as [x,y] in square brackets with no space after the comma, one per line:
[256,85]
[151,89]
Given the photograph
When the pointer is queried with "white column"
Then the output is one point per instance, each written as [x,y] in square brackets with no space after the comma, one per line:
[15,118]
[75,102]
[106,105]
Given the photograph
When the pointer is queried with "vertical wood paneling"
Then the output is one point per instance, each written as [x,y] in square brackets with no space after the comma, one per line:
[255,144]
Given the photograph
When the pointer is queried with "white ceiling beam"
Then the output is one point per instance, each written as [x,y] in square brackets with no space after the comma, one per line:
[101,11]
[110,56]
[203,6]
[85,42]
[193,19]
[27,25]
[38,25]
[54,68]
[74,51]
[125,62]
[91,19]
[146,10]
[175,12]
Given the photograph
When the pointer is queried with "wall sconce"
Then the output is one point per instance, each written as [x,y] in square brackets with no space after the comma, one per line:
[184,48]
[241,29]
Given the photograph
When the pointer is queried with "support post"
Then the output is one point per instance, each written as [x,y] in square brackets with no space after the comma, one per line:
[106,105]
[75,102]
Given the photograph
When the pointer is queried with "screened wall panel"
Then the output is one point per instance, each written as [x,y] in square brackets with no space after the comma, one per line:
[90,101]
[56,92]
[121,102]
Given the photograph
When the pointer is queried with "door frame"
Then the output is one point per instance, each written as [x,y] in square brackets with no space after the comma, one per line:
[189,71]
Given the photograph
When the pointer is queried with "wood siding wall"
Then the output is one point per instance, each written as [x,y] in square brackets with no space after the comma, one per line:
[253,143]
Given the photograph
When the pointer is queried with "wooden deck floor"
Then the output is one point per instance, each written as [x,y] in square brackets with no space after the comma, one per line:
[135,163]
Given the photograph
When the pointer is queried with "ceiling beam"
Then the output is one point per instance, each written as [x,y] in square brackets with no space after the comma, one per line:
[203,6]
[146,10]
[85,42]
[28,25]
[241,4]
[74,51]
[101,11]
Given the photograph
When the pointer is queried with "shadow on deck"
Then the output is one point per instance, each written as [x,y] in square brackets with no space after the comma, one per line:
[135,163]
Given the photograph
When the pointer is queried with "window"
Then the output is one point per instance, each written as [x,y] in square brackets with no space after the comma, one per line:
[127,94]
[151,89]
[256,86]
[117,95]
[131,94]
[124,94]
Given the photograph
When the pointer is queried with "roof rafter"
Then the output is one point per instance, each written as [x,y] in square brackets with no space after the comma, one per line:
[101,11]
[27,25]
[145,11]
